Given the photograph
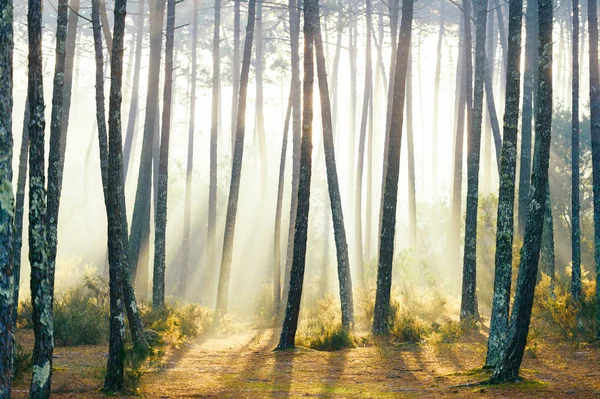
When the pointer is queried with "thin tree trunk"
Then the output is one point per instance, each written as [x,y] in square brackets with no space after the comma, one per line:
[503,39]
[474,123]
[531,57]
[388,224]
[259,124]
[235,83]
[508,368]
[595,134]
[491,107]
[436,101]
[106,25]
[128,146]
[339,230]
[160,239]
[575,221]
[40,276]
[116,246]
[292,311]
[334,73]
[410,142]
[8,305]
[236,170]
[506,196]
[548,257]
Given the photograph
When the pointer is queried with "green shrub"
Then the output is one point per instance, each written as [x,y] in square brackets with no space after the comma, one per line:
[22,362]
[406,327]
[330,338]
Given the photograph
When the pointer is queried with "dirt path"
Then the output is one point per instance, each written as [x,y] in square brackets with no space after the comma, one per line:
[244,366]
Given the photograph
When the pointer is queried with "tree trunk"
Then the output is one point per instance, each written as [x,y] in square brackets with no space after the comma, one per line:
[334,73]
[436,101]
[259,124]
[160,239]
[410,141]
[290,322]
[235,71]
[140,224]
[506,196]
[595,134]
[8,305]
[388,223]
[491,107]
[128,147]
[236,170]
[277,234]
[508,368]
[548,257]
[106,25]
[296,138]
[368,88]
[474,123]
[352,52]
[40,276]
[187,211]
[575,223]
[116,246]
[19,211]
[503,39]
[531,57]
[339,230]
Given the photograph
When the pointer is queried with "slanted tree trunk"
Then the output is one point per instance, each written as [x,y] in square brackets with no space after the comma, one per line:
[40,276]
[506,196]
[388,223]
[19,211]
[259,124]
[140,224]
[292,311]
[7,303]
[235,71]
[236,170]
[508,368]
[436,101]
[595,133]
[474,123]
[368,88]
[296,138]
[491,107]
[278,209]
[531,57]
[160,243]
[575,221]
[106,25]
[116,246]
[339,230]
[503,39]
[128,146]
[187,207]
[410,142]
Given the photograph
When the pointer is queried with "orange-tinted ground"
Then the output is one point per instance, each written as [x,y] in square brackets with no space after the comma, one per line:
[243,365]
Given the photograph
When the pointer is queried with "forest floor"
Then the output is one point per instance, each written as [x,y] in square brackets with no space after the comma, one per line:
[243,365]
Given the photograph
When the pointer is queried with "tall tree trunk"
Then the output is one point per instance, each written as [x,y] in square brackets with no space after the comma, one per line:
[140,224]
[548,257]
[292,311]
[503,38]
[40,276]
[436,101]
[575,221]
[508,368]
[106,25]
[474,123]
[339,230]
[160,243]
[235,68]
[236,170]
[7,303]
[506,196]
[531,57]
[19,211]
[128,146]
[187,211]
[486,146]
[116,246]
[410,142]
[388,223]
[334,73]
[595,134]
[278,208]
[352,52]
[493,116]
[259,124]
[368,88]
[296,138]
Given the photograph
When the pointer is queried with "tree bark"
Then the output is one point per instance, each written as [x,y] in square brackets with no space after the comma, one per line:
[259,124]
[575,207]
[339,230]
[436,100]
[474,123]
[236,170]
[160,239]
[292,311]
[410,142]
[7,303]
[506,196]
[508,368]
[235,70]
[388,223]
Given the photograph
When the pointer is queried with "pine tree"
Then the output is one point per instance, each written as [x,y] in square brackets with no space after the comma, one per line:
[575,221]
